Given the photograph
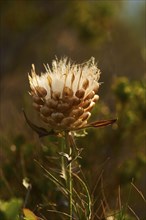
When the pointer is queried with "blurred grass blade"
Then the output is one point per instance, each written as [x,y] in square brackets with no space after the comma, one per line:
[61,213]
[88,203]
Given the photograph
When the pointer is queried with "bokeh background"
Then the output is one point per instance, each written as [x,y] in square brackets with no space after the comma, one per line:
[114,32]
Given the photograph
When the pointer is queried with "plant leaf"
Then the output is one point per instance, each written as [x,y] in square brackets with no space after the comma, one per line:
[39,130]
[29,215]
[101,123]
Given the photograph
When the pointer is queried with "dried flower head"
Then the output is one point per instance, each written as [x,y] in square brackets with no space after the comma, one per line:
[65,94]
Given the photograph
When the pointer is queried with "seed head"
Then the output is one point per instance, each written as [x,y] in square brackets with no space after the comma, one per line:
[65,94]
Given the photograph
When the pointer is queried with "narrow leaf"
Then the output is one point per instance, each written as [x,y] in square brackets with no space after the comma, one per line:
[101,123]
[39,130]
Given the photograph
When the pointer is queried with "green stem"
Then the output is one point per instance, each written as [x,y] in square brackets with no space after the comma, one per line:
[70,190]
[63,163]
[70,186]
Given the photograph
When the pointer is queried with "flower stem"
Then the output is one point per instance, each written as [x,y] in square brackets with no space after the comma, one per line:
[63,162]
[70,186]
[70,190]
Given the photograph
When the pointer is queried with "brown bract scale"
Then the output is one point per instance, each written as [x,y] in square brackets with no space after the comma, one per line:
[41,92]
[37,100]
[36,106]
[65,94]
[80,93]
[51,103]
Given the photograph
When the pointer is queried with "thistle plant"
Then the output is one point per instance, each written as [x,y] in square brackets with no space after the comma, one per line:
[64,96]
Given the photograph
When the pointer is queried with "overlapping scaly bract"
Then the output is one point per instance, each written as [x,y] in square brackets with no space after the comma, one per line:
[65,94]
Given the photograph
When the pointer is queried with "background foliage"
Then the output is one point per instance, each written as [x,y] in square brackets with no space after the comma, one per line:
[112,32]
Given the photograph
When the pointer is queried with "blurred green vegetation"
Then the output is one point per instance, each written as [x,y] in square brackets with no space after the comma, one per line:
[36,31]
[123,144]
[10,210]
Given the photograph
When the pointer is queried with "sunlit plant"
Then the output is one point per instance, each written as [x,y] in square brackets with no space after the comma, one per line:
[64,96]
